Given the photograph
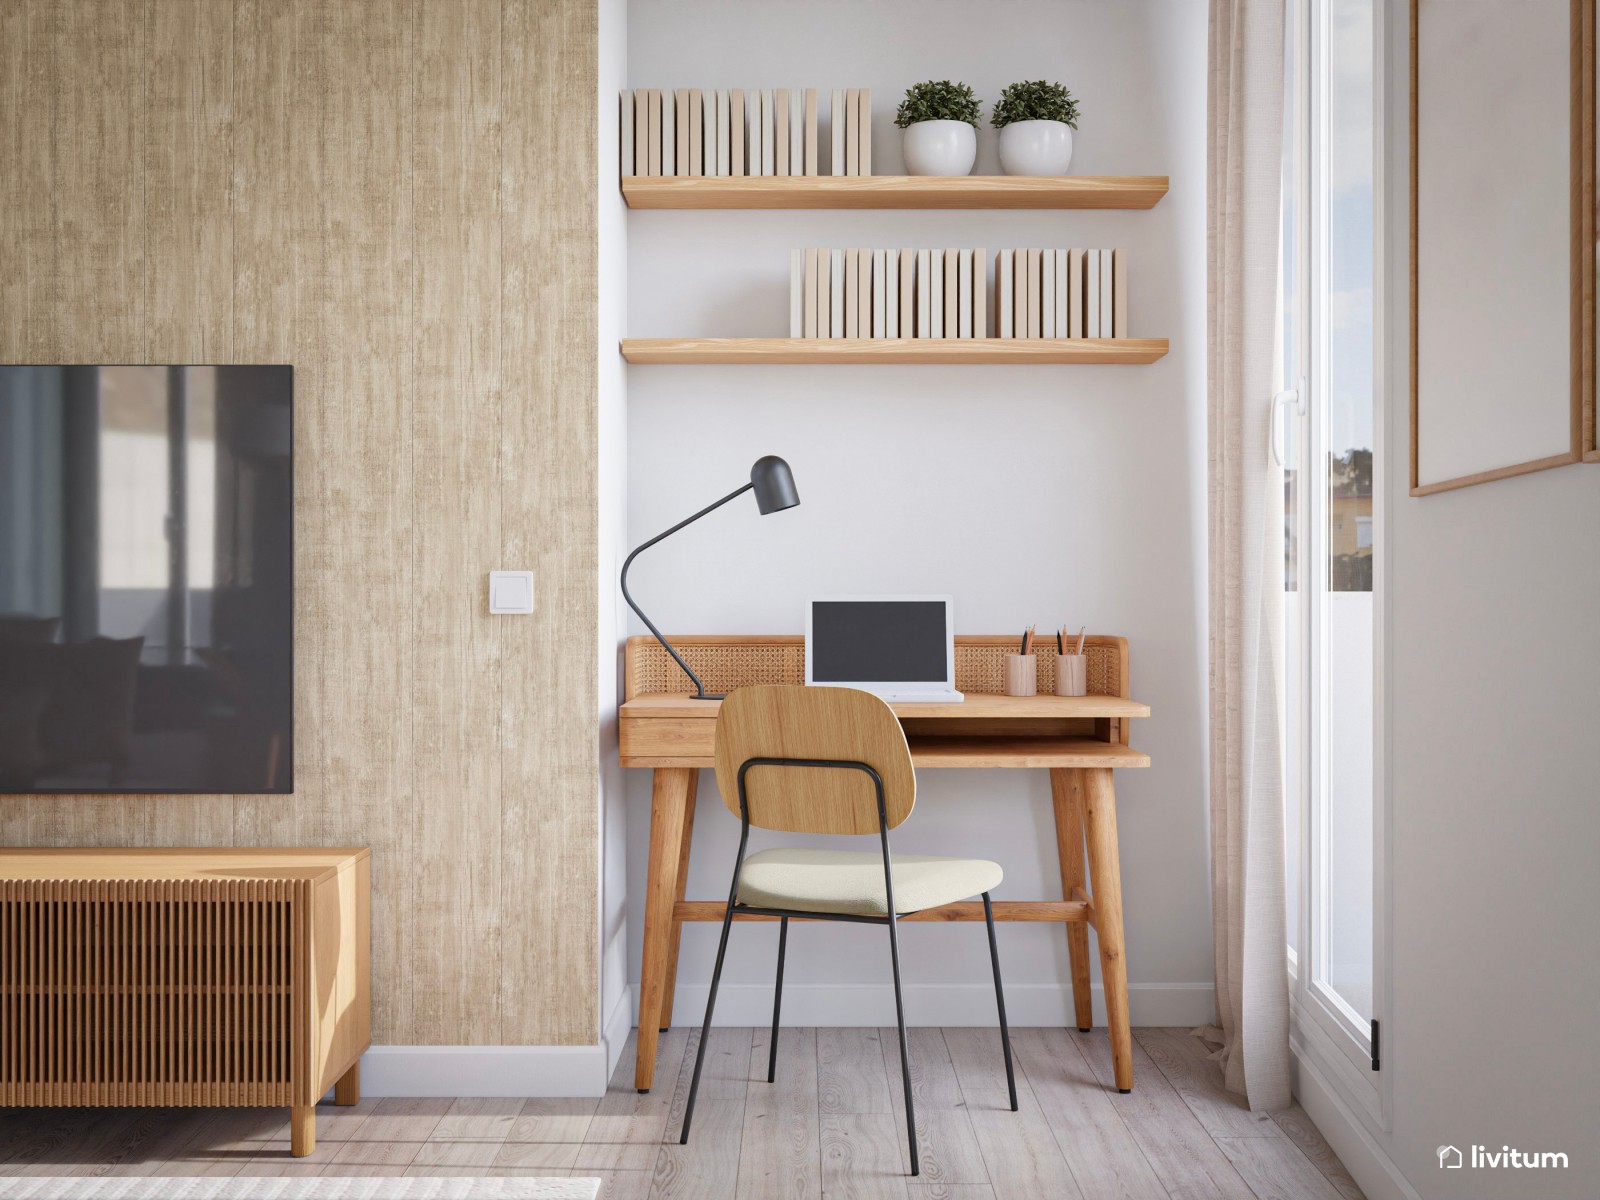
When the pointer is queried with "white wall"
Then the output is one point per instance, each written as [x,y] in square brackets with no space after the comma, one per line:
[1032,494]
[613,484]
[1495,765]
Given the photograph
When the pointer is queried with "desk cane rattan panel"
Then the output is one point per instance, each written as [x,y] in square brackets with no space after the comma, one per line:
[726,663]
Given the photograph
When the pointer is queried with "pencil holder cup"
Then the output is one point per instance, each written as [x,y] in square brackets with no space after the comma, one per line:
[1072,675]
[1022,675]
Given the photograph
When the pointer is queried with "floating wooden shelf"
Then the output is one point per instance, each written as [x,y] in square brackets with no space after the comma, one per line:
[823,351]
[895,191]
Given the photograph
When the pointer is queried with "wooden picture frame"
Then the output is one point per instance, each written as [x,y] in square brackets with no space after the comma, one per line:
[1580,412]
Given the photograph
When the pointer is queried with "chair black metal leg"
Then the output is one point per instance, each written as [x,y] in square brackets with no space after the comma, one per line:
[1000,1000]
[705,1030]
[777,1000]
[905,1054]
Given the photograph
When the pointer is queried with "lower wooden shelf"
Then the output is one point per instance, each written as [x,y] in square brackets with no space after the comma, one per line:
[954,351]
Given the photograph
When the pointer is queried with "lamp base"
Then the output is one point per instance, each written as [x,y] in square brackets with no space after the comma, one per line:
[711,696]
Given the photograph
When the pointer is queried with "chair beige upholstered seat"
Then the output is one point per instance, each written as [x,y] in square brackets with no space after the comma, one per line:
[849,881]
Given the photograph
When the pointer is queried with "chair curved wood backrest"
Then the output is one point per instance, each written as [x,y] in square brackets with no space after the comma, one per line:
[784,721]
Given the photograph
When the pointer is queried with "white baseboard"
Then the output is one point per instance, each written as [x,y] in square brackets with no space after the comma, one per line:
[1360,1153]
[617,1027]
[936,1004]
[485,1070]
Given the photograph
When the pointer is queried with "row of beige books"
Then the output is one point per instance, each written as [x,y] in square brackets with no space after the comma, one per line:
[951,293]
[728,131]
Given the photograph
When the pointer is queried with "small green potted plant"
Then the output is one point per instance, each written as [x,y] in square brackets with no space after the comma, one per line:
[940,120]
[1035,120]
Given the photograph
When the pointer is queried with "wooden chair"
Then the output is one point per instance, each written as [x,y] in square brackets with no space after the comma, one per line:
[833,761]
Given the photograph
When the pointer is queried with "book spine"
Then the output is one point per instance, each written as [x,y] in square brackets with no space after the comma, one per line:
[769,131]
[1091,293]
[980,293]
[1019,294]
[736,132]
[936,292]
[1105,295]
[864,288]
[625,134]
[852,132]
[891,293]
[1047,293]
[1119,294]
[1034,272]
[780,132]
[964,287]
[697,132]
[1003,298]
[653,132]
[797,293]
[824,293]
[924,293]
[864,161]
[1075,293]
[809,300]
[852,310]
[908,293]
[836,299]
[797,133]
[880,293]
[1061,293]
[675,132]
[811,131]
[836,132]
[952,293]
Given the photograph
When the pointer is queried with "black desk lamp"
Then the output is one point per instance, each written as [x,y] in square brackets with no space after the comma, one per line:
[773,484]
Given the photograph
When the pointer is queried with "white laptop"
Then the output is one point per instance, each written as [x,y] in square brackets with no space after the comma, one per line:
[902,648]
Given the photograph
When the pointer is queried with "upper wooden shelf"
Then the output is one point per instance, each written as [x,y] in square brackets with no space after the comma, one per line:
[974,351]
[894,191]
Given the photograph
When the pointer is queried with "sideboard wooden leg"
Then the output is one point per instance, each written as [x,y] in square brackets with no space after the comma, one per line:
[348,1088]
[302,1130]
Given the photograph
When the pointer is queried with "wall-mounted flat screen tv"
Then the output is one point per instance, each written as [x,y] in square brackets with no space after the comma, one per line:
[146,579]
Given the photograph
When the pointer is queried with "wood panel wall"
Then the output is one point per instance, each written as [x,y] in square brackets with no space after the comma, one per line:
[398,198]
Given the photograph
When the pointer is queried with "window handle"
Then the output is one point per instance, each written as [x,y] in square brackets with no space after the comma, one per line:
[1279,431]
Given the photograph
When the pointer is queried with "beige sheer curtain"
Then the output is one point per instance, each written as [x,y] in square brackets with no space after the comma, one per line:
[1244,168]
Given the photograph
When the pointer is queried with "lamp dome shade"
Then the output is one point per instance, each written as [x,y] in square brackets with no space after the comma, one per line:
[774,485]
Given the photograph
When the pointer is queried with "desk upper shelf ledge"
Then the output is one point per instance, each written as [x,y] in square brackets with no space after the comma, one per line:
[665,704]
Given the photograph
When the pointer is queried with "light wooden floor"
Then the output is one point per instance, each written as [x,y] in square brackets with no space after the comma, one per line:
[831,1126]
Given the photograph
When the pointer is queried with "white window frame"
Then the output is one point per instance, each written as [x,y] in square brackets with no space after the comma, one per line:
[1325,1032]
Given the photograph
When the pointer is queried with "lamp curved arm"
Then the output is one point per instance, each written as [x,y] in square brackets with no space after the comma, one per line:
[700,688]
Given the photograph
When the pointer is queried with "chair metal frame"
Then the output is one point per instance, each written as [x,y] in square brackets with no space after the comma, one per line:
[891,919]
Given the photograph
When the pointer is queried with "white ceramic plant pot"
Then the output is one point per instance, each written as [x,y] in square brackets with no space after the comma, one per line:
[940,148]
[1035,148]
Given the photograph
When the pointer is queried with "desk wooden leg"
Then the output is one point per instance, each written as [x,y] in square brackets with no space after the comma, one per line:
[669,802]
[670,988]
[1100,823]
[1066,788]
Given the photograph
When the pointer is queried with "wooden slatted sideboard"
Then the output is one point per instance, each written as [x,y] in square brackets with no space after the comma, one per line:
[185,977]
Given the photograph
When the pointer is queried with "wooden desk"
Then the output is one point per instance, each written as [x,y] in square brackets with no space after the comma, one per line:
[1080,740]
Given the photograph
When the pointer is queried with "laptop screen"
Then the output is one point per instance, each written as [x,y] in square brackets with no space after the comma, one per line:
[879,641]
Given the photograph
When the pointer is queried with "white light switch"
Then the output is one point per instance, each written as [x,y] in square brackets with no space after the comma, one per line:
[510,591]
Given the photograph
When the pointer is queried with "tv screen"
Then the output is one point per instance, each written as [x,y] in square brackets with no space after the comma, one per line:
[146,579]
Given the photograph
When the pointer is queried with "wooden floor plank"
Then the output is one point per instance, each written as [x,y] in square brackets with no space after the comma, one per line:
[1075,1135]
[1184,1060]
[947,1149]
[1297,1125]
[1019,1149]
[1185,1159]
[1103,1156]
[861,1157]
[708,1167]
[978,1058]
[780,1155]
[850,1077]
[479,1119]
[627,1128]
[1276,1170]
